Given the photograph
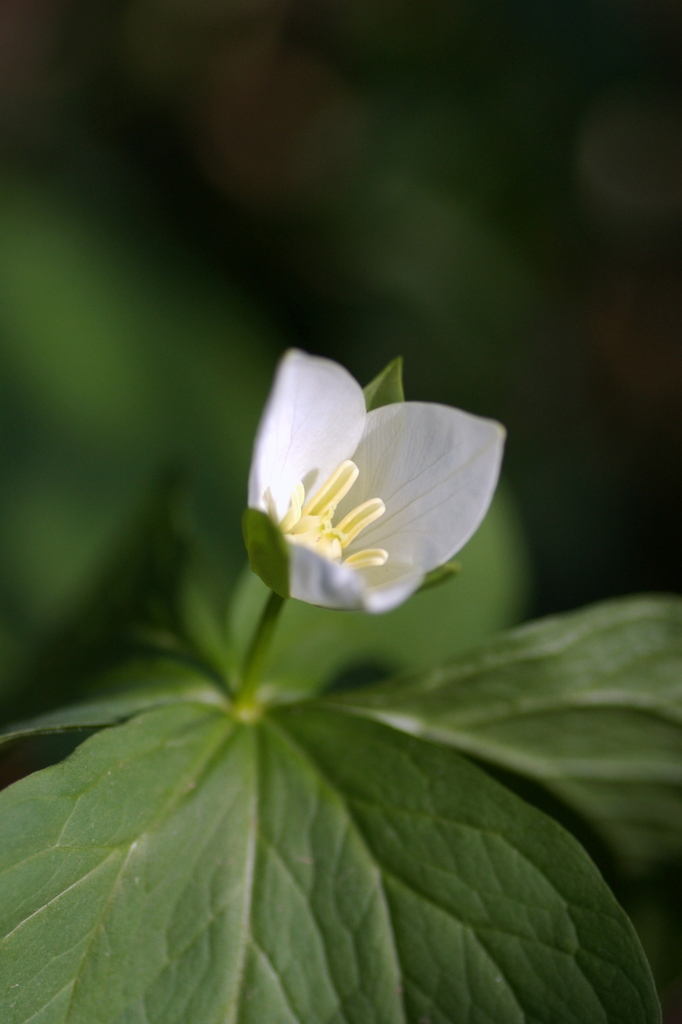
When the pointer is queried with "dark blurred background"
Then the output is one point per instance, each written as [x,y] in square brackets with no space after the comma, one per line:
[492,189]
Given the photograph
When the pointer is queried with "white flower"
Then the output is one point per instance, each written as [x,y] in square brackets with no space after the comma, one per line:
[369,502]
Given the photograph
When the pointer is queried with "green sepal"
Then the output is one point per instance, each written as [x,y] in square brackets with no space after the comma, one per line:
[442,574]
[267,549]
[387,386]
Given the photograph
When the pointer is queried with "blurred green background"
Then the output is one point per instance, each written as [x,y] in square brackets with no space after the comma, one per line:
[491,189]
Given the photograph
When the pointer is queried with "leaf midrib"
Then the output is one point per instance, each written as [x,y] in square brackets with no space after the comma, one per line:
[245,934]
[385,873]
[509,755]
[595,696]
[285,736]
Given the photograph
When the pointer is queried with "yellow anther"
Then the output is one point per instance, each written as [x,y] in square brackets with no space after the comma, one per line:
[367,559]
[294,513]
[357,520]
[331,493]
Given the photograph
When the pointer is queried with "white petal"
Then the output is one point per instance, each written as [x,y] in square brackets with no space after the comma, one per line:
[436,470]
[320,581]
[388,586]
[313,420]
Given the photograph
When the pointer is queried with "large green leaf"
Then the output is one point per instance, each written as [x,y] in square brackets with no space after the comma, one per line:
[587,704]
[185,867]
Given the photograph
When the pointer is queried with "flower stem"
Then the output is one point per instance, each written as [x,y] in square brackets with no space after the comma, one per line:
[258,652]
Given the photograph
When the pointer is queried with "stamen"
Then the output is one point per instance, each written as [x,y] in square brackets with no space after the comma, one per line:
[361,516]
[311,525]
[331,493]
[367,559]
[294,513]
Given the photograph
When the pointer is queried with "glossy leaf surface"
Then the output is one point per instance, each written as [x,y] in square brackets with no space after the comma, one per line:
[588,704]
[311,867]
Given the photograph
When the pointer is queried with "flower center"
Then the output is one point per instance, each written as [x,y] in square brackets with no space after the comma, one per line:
[311,524]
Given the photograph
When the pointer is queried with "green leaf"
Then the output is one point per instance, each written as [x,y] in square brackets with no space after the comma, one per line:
[267,549]
[311,867]
[493,906]
[387,387]
[182,684]
[588,705]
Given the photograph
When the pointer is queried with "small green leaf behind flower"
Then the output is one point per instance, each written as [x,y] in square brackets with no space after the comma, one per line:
[387,386]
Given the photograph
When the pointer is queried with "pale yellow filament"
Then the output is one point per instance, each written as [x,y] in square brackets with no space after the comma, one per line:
[331,493]
[367,559]
[294,513]
[356,521]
